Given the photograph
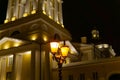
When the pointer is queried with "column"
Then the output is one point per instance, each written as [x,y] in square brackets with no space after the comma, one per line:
[34,5]
[51,9]
[48,8]
[8,13]
[27,7]
[17,67]
[16,9]
[33,65]
[40,5]
[45,62]
[60,12]
[42,8]
[22,5]
[21,10]
[56,10]
[3,68]
[47,65]
[13,10]
[37,64]
[13,67]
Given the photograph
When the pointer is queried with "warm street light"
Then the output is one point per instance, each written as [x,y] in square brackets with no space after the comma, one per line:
[60,52]
[95,37]
[95,34]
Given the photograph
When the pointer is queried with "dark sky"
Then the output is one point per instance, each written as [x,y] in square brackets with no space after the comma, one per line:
[80,16]
[2,10]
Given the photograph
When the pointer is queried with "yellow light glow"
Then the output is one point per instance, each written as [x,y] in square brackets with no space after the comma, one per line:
[64,50]
[6,46]
[58,22]
[62,25]
[16,44]
[25,14]
[94,35]
[13,18]
[34,37]
[45,38]
[6,21]
[106,45]
[10,56]
[68,60]
[44,12]
[50,17]
[72,52]
[54,47]
[28,52]
[103,46]
[33,12]
[100,46]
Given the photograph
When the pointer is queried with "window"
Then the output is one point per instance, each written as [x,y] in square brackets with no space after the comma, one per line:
[82,76]
[8,75]
[95,75]
[70,77]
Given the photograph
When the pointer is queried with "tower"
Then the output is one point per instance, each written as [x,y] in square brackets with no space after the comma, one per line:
[39,15]
[23,8]
[27,30]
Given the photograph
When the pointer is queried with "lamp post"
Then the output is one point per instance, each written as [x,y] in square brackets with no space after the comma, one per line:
[59,53]
[95,37]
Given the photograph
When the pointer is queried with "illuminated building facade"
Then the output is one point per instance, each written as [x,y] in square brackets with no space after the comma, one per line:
[24,38]
[24,45]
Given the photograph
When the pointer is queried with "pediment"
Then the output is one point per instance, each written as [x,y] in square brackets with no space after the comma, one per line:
[7,42]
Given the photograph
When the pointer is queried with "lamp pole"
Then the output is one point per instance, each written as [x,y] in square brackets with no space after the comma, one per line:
[59,54]
[60,70]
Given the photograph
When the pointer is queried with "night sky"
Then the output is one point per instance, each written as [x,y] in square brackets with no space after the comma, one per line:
[80,16]
[3,8]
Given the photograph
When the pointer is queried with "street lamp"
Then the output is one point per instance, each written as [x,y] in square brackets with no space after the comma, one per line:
[95,37]
[59,52]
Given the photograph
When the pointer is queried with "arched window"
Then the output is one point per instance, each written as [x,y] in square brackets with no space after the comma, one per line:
[15,33]
[115,77]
